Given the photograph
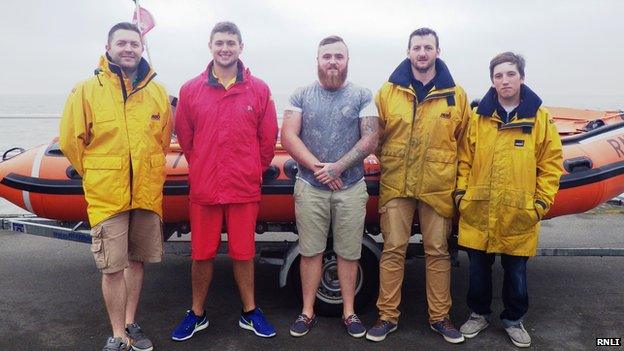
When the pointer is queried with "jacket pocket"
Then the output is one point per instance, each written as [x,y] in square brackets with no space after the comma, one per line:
[102,162]
[103,114]
[393,151]
[392,159]
[474,207]
[517,214]
[439,171]
[103,181]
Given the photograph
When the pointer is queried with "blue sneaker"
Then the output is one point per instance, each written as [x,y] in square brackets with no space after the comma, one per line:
[257,323]
[380,330]
[446,328]
[189,326]
[302,325]
[354,326]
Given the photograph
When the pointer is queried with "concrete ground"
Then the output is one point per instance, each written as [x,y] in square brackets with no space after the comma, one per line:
[50,299]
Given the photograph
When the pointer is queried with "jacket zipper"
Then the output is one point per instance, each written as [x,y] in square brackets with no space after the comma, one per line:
[429,97]
[409,147]
[125,96]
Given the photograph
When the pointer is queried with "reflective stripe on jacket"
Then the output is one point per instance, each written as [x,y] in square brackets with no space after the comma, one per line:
[508,176]
[418,139]
[116,136]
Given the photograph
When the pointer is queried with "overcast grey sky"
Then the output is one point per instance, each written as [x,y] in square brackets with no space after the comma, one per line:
[574,49]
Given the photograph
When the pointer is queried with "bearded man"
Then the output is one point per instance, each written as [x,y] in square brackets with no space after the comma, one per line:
[423,114]
[330,127]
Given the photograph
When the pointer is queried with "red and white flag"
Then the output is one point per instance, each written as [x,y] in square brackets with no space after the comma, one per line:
[147,21]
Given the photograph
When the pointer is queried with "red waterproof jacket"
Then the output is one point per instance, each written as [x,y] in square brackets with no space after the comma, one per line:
[227,136]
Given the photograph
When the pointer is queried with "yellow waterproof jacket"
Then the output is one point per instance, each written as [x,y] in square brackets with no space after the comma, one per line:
[419,139]
[116,135]
[508,176]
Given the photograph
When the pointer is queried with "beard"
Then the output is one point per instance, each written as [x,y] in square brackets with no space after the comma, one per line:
[332,81]
[424,69]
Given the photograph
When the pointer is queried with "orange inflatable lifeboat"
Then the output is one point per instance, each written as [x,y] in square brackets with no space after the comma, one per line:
[42,181]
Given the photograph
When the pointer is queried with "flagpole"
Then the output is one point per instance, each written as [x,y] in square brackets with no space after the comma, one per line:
[138,16]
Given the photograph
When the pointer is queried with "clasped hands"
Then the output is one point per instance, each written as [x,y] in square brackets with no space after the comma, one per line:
[329,174]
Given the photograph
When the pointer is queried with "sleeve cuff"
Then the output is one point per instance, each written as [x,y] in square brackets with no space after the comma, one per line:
[459,194]
[293,108]
[541,208]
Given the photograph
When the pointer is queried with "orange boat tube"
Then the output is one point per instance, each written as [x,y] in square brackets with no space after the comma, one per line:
[42,181]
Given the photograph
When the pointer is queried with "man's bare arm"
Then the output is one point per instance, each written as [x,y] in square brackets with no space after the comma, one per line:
[292,143]
[369,130]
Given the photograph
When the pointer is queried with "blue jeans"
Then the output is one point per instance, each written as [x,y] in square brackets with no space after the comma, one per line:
[515,295]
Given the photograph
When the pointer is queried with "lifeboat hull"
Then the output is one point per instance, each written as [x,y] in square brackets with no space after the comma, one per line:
[40,180]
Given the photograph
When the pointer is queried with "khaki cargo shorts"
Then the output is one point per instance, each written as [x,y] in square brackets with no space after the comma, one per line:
[317,209]
[132,235]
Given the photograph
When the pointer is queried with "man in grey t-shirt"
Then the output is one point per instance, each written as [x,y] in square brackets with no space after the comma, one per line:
[330,127]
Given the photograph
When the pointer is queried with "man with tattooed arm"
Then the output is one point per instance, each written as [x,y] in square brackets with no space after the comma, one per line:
[330,127]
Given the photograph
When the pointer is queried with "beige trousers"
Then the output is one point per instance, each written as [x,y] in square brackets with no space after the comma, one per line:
[396,222]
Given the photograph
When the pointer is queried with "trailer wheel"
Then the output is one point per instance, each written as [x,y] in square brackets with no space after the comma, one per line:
[328,295]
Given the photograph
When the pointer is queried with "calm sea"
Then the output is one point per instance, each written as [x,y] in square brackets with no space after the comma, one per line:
[27,121]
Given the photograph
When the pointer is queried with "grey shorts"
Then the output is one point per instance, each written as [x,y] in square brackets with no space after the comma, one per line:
[132,235]
[316,209]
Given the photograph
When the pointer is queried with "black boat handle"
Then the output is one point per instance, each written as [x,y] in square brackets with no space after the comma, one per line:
[578,164]
[5,155]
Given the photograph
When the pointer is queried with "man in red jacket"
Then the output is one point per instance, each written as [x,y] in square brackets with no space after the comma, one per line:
[227,128]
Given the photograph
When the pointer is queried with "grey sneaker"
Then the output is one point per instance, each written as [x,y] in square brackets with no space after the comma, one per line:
[380,330]
[474,325]
[137,339]
[518,335]
[115,344]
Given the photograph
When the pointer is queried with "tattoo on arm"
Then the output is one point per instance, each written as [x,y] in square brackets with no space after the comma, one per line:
[353,157]
[332,173]
[369,128]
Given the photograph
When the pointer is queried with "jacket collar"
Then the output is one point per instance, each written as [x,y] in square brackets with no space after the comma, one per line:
[241,74]
[529,103]
[402,75]
[144,71]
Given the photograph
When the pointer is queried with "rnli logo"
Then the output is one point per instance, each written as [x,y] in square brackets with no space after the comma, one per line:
[156,117]
[519,143]
[446,115]
[618,145]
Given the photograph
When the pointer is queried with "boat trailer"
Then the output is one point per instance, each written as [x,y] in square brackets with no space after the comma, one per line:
[79,232]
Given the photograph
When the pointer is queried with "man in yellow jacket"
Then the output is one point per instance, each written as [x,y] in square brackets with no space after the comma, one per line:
[115,131]
[509,169]
[422,115]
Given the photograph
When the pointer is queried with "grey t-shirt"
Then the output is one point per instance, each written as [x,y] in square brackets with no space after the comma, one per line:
[330,125]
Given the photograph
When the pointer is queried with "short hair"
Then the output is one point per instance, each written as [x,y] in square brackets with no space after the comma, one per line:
[123,26]
[510,57]
[421,32]
[330,40]
[226,27]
